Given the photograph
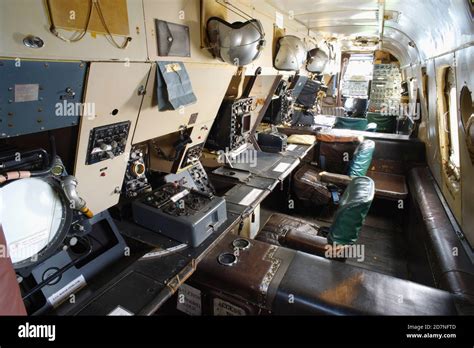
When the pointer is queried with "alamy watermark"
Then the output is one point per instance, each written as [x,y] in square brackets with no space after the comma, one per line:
[411,110]
[66,108]
[227,156]
[354,251]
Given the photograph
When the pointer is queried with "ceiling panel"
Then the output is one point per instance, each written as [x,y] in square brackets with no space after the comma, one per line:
[435,26]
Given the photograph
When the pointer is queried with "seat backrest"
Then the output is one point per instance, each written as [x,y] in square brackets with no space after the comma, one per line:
[353,208]
[361,159]
[351,123]
[385,123]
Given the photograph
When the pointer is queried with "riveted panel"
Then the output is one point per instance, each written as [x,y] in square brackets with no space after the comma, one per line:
[36,96]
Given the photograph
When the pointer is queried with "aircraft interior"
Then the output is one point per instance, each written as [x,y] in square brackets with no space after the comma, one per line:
[236,157]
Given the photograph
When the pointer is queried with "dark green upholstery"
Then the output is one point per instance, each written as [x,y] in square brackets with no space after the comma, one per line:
[362,159]
[385,123]
[353,208]
[371,127]
[351,123]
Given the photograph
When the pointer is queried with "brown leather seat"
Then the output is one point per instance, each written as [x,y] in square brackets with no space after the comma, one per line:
[270,279]
[452,273]
[294,233]
[11,302]
[298,234]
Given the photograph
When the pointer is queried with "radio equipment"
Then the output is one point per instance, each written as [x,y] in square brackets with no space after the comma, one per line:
[232,129]
[136,182]
[183,214]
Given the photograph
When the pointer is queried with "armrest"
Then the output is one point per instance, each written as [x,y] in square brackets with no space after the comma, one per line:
[312,244]
[336,179]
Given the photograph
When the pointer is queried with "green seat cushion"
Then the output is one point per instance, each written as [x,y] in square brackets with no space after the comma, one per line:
[362,159]
[385,123]
[350,123]
[352,211]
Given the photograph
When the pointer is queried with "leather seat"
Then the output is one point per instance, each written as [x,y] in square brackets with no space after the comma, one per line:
[268,279]
[298,234]
[323,287]
[11,302]
[438,238]
[309,185]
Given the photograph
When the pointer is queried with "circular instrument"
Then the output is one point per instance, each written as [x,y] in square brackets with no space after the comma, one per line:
[35,217]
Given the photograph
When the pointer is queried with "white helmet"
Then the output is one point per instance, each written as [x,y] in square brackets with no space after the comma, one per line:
[236,43]
[291,53]
[317,60]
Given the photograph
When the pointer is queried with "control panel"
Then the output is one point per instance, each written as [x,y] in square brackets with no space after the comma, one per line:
[176,201]
[231,130]
[107,142]
[181,213]
[287,106]
[386,87]
[193,154]
[194,178]
[240,122]
[136,182]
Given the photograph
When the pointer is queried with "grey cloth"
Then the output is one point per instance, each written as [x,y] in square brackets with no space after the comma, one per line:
[174,88]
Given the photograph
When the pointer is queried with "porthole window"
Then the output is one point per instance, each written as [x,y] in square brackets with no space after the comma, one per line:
[452,121]
[449,129]
[467,109]
[467,117]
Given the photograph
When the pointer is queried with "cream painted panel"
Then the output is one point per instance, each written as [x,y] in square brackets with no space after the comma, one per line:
[184,12]
[200,132]
[110,86]
[19,18]
[465,77]
[187,12]
[209,81]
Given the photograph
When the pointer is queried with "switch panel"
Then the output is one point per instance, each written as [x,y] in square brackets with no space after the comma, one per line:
[107,142]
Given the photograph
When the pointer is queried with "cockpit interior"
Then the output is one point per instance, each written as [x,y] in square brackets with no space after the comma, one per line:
[236,157]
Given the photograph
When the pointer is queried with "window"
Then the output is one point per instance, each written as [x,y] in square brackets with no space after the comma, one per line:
[449,130]
[467,118]
[454,156]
